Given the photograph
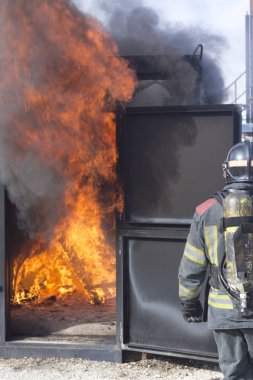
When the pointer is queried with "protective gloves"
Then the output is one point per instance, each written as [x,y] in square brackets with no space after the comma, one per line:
[192,311]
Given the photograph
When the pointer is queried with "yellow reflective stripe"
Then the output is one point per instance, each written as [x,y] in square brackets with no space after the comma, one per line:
[215,293]
[188,293]
[220,305]
[197,250]
[219,301]
[195,259]
[215,245]
[211,238]
[208,244]
[195,254]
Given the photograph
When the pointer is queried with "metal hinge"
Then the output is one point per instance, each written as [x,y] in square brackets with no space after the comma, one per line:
[120,250]
[120,333]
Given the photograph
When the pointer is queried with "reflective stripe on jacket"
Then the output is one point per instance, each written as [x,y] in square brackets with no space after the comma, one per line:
[204,246]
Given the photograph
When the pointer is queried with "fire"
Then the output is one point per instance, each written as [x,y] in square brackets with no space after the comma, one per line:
[60,79]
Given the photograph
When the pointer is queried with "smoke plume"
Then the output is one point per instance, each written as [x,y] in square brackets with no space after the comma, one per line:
[138,30]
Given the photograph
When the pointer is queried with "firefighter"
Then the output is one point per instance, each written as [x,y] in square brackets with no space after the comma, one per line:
[220,242]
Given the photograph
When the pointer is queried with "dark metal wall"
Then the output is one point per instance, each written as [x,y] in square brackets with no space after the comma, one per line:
[170,161]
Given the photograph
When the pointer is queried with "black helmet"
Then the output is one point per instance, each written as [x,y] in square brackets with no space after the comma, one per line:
[238,167]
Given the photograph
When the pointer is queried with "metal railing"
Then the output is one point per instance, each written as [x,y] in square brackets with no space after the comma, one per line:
[234,88]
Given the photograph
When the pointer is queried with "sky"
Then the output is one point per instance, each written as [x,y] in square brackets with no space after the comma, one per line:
[225,18]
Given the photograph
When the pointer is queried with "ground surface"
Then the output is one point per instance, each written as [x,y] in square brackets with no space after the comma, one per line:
[75,369]
[91,324]
[63,317]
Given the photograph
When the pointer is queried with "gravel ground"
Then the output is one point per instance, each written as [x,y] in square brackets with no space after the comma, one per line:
[75,369]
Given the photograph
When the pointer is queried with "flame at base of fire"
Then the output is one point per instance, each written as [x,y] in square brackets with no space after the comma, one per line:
[78,259]
[49,273]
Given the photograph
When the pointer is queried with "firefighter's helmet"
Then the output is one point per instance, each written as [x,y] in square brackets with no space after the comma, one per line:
[238,167]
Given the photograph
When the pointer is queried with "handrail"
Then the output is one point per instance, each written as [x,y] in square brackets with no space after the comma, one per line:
[234,85]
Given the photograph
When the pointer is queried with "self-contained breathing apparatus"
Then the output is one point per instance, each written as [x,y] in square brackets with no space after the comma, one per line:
[235,268]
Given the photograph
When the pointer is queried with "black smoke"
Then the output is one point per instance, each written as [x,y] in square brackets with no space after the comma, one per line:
[138,30]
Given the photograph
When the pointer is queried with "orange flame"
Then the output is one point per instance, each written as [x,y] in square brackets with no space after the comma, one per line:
[60,79]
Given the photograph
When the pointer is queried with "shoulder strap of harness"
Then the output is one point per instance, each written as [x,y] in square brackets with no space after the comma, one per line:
[214,271]
[219,196]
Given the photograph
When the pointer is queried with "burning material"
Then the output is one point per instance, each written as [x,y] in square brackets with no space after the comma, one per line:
[60,79]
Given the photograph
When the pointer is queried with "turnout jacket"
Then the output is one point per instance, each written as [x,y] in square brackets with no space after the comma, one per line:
[204,244]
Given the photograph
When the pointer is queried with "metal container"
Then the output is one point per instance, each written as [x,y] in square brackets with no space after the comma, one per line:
[169,162]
